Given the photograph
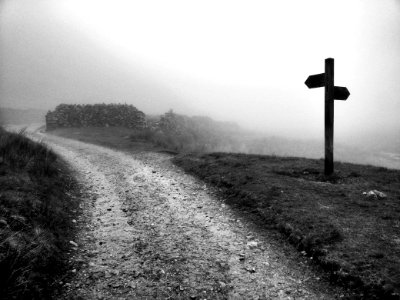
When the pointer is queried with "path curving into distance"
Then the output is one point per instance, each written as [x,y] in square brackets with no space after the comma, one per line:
[150,231]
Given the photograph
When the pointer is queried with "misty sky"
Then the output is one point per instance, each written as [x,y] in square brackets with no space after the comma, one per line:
[243,61]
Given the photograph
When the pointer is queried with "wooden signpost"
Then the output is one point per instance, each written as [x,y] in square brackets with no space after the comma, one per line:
[332,93]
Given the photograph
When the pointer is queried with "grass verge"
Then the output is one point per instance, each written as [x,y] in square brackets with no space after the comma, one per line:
[36,212]
[354,237]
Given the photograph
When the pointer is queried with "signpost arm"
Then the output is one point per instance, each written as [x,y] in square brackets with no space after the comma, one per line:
[329,110]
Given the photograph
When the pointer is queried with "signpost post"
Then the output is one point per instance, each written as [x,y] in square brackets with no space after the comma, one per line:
[332,93]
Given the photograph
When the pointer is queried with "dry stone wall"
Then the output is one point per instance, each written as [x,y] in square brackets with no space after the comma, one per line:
[99,115]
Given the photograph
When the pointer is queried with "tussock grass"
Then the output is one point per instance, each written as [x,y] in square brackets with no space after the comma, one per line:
[19,152]
[35,217]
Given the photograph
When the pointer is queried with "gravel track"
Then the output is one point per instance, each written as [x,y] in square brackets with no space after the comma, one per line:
[150,231]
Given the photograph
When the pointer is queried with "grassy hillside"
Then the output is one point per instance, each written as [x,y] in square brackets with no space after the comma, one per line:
[355,237]
[36,213]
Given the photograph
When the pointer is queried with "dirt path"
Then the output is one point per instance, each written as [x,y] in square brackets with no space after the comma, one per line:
[149,231]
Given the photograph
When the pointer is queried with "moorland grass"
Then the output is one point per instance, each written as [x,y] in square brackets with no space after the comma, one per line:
[35,217]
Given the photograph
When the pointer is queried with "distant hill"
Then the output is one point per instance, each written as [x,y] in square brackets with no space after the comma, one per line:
[21,116]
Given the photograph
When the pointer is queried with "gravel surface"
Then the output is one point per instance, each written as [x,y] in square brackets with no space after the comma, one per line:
[150,231]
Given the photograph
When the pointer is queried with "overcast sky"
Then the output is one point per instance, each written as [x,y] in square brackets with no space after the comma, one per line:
[243,61]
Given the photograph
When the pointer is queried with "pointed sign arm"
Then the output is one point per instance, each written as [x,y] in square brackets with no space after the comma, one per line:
[340,93]
[315,81]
